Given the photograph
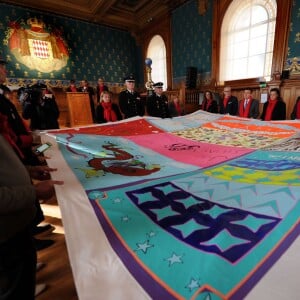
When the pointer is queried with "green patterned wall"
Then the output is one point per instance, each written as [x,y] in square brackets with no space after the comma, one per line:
[191,41]
[95,51]
[293,57]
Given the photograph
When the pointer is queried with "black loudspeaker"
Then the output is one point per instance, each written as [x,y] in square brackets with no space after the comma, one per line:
[191,77]
[285,74]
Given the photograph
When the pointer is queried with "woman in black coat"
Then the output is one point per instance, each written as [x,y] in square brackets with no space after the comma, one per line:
[274,109]
[295,115]
[209,104]
[107,111]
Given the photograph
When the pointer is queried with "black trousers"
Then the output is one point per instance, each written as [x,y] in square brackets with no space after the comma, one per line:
[18,267]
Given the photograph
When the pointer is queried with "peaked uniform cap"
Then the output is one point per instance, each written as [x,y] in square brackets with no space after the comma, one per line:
[129,78]
[158,85]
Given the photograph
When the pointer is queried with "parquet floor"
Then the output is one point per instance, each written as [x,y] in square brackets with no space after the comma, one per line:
[57,273]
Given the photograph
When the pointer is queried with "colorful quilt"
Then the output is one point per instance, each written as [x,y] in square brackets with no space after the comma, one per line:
[196,207]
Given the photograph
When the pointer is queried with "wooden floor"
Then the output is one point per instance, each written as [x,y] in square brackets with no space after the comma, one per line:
[57,273]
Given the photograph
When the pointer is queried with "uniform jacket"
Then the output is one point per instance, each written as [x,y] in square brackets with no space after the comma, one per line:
[157,106]
[131,104]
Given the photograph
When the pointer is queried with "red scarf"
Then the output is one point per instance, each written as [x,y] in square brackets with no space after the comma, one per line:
[178,108]
[298,110]
[225,101]
[270,108]
[244,112]
[208,104]
[109,114]
[73,88]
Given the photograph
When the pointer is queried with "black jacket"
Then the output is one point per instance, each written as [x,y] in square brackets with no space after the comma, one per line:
[157,106]
[294,112]
[213,108]
[131,105]
[231,108]
[43,115]
[100,113]
[279,112]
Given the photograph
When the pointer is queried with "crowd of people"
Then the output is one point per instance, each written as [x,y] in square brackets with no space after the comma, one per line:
[21,213]
[131,104]
[22,216]
[248,107]
[43,113]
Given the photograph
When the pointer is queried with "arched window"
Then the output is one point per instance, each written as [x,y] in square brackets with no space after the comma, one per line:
[157,52]
[247,39]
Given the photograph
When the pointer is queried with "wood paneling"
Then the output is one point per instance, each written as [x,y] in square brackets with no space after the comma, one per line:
[79,109]
[290,91]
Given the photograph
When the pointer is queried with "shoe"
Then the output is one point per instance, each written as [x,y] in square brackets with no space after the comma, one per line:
[40,265]
[39,288]
[42,244]
[43,229]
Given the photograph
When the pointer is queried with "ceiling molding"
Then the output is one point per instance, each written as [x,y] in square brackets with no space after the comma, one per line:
[129,15]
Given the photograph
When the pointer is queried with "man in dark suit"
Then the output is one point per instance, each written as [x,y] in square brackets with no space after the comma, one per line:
[101,87]
[130,102]
[229,103]
[157,104]
[248,107]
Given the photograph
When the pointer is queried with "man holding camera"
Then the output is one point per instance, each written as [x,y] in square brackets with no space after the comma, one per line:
[42,110]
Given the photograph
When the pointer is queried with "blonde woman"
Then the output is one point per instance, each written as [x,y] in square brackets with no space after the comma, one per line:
[106,110]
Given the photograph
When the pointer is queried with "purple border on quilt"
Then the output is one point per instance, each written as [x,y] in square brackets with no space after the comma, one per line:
[153,288]
[269,262]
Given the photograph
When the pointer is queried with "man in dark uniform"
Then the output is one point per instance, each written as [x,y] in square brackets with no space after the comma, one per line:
[130,103]
[157,104]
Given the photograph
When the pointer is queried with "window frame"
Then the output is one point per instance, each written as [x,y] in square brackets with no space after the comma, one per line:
[281,37]
[161,27]
[165,58]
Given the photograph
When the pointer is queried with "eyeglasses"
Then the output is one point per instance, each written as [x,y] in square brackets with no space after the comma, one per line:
[227,91]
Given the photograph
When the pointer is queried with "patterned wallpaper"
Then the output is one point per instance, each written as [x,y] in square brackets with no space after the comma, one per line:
[191,41]
[293,57]
[110,53]
[94,51]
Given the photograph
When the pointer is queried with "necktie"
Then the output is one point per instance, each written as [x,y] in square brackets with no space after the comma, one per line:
[245,103]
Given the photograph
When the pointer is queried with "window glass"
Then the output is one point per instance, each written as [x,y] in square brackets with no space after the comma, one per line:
[247,39]
[157,52]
